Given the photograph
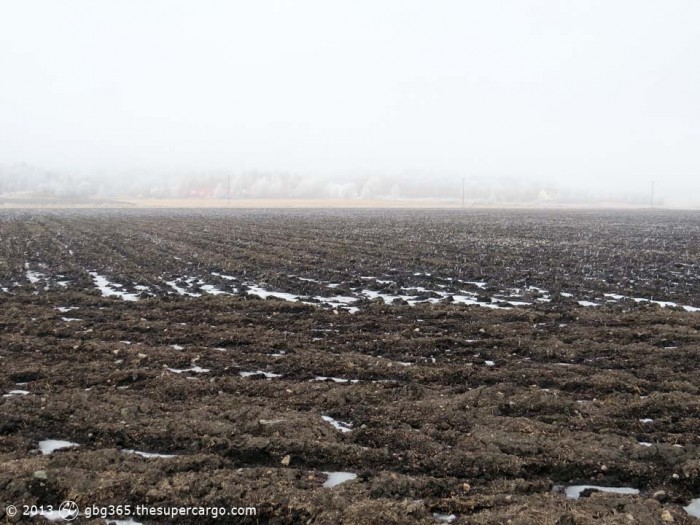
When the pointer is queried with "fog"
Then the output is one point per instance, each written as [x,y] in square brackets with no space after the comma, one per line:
[532,102]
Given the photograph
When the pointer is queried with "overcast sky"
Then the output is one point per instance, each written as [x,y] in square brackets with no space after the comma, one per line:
[581,92]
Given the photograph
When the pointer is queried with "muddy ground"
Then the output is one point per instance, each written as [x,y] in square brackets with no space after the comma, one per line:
[479,411]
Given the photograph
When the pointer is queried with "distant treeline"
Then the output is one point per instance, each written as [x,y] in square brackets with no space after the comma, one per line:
[27,180]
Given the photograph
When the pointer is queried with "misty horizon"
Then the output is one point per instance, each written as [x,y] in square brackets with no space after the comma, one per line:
[26,181]
[528,103]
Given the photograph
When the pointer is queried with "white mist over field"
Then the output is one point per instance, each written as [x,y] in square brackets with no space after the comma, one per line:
[528,102]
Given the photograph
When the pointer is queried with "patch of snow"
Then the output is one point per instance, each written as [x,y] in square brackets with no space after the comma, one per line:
[419,289]
[693,509]
[268,375]
[371,294]
[574,491]
[47,446]
[444,518]
[227,277]
[195,369]
[338,425]
[663,304]
[660,303]
[646,420]
[107,288]
[471,299]
[306,279]
[213,290]
[32,276]
[336,478]
[182,291]
[70,319]
[335,379]
[66,309]
[13,393]
[337,300]
[566,294]
[178,347]
[645,444]
[264,294]
[489,363]
[588,303]
[147,454]
[516,303]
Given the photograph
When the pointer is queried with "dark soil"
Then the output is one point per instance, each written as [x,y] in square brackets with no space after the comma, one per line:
[455,409]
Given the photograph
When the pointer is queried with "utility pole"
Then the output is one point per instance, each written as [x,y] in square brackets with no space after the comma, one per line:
[652,193]
[462,192]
